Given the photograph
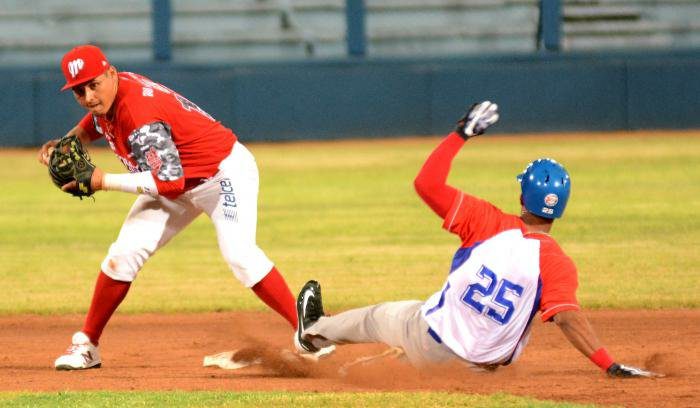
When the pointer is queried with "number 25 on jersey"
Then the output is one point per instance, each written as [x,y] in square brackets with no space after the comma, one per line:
[481,299]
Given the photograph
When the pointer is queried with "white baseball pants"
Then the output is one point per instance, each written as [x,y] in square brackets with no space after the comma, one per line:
[229,199]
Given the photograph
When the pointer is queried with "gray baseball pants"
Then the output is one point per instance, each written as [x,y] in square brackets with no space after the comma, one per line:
[397,324]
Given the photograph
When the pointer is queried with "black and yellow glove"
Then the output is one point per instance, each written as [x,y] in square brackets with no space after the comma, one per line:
[70,162]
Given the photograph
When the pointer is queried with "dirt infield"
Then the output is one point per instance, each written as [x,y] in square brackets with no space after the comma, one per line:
[165,352]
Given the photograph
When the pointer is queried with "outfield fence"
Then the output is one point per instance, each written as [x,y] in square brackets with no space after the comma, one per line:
[353,68]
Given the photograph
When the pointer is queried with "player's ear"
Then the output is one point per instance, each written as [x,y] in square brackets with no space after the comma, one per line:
[112,71]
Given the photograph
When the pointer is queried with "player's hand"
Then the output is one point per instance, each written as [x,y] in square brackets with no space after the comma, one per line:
[477,119]
[95,181]
[45,151]
[623,371]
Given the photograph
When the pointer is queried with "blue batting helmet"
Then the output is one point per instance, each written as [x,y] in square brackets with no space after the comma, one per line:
[545,187]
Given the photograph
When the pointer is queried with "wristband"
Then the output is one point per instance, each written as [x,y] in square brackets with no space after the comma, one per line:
[602,359]
[135,183]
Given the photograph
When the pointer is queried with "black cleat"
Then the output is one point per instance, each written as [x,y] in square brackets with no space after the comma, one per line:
[309,310]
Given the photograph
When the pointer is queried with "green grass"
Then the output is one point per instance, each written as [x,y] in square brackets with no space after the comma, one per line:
[269,399]
[345,213]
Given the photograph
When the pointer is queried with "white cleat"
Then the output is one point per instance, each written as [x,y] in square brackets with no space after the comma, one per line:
[312,356]
[81,355]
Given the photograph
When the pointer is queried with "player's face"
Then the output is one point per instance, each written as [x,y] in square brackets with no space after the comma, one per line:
[98,95]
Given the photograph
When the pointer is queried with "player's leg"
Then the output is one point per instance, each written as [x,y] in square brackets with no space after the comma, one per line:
[150,224]
[380,323]
[397,324]
[231,201]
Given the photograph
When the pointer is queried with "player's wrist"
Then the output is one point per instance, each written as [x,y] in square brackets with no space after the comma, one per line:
[602,359]
[457,135]
[135,183]
[459,130]
[96,181]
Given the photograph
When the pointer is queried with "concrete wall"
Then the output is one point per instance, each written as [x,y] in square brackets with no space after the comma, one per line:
[346,98]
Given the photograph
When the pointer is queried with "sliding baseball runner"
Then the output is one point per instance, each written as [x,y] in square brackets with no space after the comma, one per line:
[506,270]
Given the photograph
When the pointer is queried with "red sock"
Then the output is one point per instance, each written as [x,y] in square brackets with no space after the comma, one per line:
[108,294]
[273,290]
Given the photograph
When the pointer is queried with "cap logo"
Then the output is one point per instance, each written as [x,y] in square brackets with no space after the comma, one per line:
[551,199]
[75,66]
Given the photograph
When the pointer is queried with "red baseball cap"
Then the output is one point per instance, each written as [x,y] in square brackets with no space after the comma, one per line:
[82,64]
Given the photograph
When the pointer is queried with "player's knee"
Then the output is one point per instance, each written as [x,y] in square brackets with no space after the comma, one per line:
[248,263]
[124,266]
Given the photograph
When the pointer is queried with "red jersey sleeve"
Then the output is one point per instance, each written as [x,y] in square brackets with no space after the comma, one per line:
[87,123]
[475,220]
[170,189]
[559,279]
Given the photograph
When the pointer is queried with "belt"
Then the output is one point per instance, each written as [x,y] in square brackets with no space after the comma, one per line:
[477,366]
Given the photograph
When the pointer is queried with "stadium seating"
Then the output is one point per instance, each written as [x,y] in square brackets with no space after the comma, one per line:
[443,27]
[40,31]
[206,31]
[606,24]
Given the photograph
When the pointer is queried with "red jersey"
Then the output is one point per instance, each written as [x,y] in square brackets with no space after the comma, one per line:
[201,141]
[475,220]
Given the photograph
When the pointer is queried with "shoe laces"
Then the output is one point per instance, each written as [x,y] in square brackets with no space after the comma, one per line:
[74,348]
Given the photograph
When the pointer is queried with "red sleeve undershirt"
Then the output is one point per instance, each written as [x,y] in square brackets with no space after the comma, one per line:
[430,183]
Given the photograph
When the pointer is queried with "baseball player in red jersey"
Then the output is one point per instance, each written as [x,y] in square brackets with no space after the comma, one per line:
[181,162]
[507,269]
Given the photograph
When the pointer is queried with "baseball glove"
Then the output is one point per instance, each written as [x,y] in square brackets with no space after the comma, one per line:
[70,162]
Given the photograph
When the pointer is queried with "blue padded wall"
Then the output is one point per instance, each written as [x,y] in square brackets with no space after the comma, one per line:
[393,97]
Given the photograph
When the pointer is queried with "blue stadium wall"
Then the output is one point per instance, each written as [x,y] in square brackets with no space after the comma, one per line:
[368,98]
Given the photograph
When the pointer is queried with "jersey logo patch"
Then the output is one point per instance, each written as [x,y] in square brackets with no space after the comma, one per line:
[153,160]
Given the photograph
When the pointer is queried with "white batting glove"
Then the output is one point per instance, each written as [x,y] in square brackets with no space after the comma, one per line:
[477,119]
[623,371]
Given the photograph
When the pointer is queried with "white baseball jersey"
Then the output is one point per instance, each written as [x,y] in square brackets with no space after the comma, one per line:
[500,277]
[484,309]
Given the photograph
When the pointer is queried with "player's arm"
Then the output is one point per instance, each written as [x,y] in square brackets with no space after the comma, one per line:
[154,150]
[431,181]
[580,334]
